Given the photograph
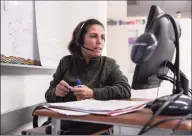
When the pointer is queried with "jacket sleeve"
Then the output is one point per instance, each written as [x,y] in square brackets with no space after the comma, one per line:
[118,89]
[57,77]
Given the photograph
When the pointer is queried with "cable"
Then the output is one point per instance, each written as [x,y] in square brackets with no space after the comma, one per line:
[164,77]
[190,90]
[177,90]
[173,98]
[179,123]
[151,102]
[168,119]
[165,120]
[176,42]
[157,93]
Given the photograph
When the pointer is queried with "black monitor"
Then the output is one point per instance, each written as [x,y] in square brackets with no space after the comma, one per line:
[146,73]
[153,53]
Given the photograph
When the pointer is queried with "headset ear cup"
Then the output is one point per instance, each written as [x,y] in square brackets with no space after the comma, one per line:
[77,41]
[79,34]
[77,48]
[143,48]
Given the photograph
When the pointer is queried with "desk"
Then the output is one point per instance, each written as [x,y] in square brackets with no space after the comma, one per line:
[126,124]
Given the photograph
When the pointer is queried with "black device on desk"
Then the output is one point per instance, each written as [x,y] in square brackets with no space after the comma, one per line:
[153,52]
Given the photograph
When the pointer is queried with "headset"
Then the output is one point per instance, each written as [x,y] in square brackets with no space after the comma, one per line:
[78,37]
[145,44]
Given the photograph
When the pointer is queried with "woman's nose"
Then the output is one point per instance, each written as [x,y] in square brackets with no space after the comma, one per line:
[99,40]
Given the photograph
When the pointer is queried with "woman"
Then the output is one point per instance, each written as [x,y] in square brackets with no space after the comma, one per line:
[100,76]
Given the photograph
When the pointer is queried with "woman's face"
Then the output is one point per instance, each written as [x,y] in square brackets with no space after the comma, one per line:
[94,39]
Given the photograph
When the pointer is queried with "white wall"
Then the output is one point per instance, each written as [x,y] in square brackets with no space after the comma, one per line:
[74,12]
[22,91]
[185,47]
[117,47]
[116,9]
[118,40]
[19,91]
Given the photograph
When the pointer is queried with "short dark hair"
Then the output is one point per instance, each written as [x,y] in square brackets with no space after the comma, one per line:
[78,36]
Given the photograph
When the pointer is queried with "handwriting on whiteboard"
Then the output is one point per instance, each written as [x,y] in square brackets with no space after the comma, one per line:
[17,29]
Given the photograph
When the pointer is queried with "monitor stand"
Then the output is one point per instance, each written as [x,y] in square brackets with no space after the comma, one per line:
[181,106]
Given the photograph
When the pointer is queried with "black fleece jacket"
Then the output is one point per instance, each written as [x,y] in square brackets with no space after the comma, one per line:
[102,75]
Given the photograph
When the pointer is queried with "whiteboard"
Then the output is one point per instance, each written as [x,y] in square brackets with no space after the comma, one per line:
[48,21]
[17,33]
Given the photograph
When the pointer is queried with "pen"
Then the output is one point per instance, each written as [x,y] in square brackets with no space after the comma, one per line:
[78,83]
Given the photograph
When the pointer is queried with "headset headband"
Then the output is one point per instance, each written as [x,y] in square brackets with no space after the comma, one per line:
[79,32]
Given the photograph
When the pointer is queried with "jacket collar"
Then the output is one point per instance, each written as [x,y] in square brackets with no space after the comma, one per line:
[93,63]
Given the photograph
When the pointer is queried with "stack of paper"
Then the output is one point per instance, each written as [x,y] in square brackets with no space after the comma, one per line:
[110,107]
[67,112]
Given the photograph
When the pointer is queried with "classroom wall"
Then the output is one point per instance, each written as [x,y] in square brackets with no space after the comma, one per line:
[118,40]
[20,91]
[24,90]
[74,12]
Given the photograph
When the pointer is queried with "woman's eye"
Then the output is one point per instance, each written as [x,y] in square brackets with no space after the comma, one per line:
[93,36]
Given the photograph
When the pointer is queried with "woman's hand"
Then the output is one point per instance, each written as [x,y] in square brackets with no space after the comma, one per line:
[62,89]
[83,92]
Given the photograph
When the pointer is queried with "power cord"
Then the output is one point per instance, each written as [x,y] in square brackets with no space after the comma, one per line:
[187,117]
[173,98]
[190,91]
[157,93]
[164,77]
[151,102]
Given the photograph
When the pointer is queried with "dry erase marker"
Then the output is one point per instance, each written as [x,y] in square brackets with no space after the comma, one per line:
[78,83]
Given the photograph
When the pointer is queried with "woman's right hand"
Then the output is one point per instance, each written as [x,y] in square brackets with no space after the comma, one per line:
[62,89]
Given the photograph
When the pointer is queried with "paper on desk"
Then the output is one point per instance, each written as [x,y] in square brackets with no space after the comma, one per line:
[129,110]
[118,112]
[68,112]
[97,105]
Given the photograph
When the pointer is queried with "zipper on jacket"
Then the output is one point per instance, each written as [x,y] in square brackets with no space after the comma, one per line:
[84,74]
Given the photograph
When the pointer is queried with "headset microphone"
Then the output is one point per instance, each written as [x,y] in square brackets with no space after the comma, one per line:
[86,48]
[83,46]
[78,37]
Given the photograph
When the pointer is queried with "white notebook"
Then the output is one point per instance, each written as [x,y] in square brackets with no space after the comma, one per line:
[97,105]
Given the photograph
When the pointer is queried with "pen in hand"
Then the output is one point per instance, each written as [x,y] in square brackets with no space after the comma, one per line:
[78,83]
[82,92]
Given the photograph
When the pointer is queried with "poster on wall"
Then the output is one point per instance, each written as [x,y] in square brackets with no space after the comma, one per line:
[131,40]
